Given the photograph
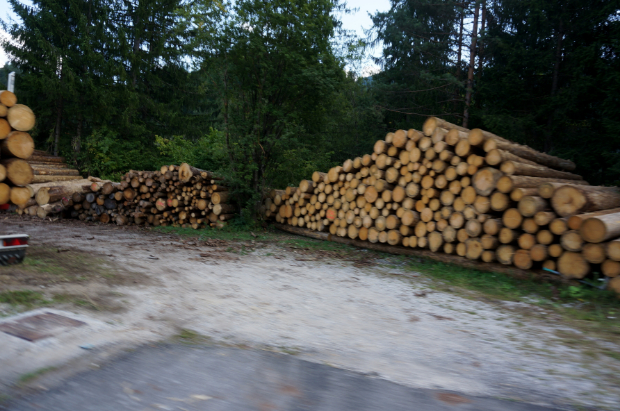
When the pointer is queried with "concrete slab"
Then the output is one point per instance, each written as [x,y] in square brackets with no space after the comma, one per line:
[173,377]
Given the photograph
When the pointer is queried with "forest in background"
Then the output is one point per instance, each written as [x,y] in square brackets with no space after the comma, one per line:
[263,91]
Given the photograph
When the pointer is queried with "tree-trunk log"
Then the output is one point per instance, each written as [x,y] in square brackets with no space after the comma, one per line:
[507,183]
[45,179]
[611,268]
[530,205]
[433,122]
[186,172]
[20,117]
[224,209]
[511,168]
[20,196]
[46,159]
[612,249]
[7,98]
[601,228]
[594,253]
[528,153]
[573,265]
[220,198]
[17,144]
[5,128]
[18,171]
[47,209]
[485,181]
[38,171]
[5,193]
[570,200]
[575,221]
[495,157]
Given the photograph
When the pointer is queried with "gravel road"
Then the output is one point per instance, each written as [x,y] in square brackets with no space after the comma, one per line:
[378,320]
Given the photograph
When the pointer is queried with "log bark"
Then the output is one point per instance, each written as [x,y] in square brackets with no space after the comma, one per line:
[575,221]
[224,209]
[46,159]
[507,183]
[47,209]
[495,157]
[570,200]
[5,193]
[46,179]
[40,171]
[5,129]
[75,185]
[53,194]
[528,153]
[220,198]
[511,168]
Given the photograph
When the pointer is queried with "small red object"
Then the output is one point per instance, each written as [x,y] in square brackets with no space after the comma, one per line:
[11,242]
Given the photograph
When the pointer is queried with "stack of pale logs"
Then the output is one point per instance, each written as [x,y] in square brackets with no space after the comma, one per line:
[20,164]
[179,196]
[464,192]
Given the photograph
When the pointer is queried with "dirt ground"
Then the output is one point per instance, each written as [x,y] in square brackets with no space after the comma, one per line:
[134,286]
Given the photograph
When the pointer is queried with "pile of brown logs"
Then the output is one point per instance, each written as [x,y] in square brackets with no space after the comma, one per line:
[20,164]
[179,196]
[467,193]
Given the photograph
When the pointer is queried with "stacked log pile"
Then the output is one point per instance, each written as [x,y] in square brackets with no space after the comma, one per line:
[464,192]
[179,196]
[20,164]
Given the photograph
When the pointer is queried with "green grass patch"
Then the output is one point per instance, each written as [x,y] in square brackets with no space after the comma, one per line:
[590,308]
[191,337]
[226,233]
[26,378]
[24,298]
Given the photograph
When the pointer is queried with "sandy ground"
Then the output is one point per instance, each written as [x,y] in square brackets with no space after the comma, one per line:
[375,319]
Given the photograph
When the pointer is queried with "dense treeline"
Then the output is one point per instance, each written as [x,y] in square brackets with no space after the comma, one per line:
[540,72]
[259,91]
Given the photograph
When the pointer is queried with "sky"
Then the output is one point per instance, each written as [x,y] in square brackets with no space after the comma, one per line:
[357,21]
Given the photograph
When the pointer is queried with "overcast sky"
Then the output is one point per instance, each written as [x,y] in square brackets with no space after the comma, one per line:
[355,21]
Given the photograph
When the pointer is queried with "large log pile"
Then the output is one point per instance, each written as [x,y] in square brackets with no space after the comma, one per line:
[20,164]
[179,196]
[467,193]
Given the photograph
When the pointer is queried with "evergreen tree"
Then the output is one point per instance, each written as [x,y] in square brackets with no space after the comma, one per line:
[421,61]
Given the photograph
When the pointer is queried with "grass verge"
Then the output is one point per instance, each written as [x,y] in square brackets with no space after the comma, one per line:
[24,298]
[28,377]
